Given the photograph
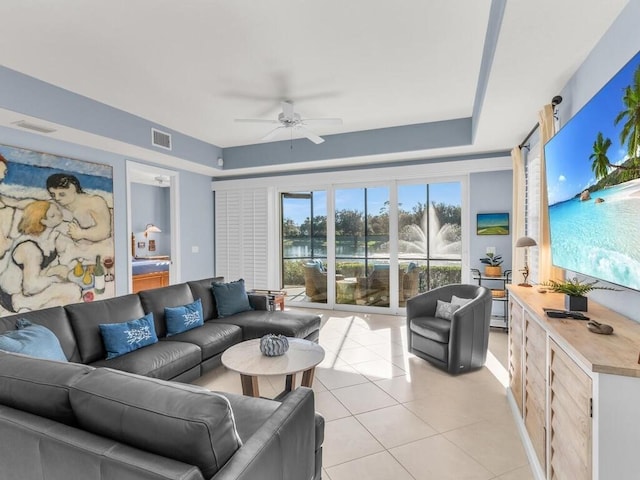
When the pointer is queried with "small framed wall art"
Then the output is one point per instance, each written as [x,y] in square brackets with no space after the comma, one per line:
[492,224]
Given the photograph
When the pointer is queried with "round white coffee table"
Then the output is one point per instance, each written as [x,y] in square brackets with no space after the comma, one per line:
[247,359]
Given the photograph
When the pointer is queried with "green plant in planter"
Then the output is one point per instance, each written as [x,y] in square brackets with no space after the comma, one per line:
[492,265]
[575,291]
[492,260]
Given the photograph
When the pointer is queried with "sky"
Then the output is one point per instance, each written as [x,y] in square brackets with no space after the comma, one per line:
[353,199]
[567,153]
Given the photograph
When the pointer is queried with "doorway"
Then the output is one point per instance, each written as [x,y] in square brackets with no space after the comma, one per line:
[152,206]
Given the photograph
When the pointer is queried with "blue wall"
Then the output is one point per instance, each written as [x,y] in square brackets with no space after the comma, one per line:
[196,226]
[30,96]
[490,192]
[152,204]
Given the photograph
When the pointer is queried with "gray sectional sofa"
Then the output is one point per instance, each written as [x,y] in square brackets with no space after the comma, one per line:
[137,418]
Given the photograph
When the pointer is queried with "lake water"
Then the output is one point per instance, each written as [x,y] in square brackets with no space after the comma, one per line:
[302,251]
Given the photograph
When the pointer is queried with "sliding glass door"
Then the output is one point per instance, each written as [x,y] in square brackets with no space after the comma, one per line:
[362,246]
[378,263]
[304,245]
[429,237]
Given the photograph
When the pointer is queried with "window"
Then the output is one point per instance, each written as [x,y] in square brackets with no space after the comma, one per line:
[429,237]
[532,203]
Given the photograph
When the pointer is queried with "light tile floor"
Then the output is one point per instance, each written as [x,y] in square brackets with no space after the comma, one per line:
[391,415]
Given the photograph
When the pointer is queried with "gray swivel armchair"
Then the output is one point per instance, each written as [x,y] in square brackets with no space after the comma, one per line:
[457,345]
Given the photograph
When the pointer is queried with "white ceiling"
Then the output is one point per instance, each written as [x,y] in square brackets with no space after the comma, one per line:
[195,66]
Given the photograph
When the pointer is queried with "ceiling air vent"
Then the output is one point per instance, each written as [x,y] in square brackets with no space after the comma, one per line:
[34,126]
[161,139]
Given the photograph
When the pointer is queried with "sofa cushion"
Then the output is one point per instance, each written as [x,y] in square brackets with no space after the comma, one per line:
[33,340]
[256,323]
[156,300]
[39,386]
[213,338]
[250,413]
[85,319]
[56,320]
[125,337]
[231,298]
[433,328]
[183,422]
[165,360]
[183,318]
[202,289]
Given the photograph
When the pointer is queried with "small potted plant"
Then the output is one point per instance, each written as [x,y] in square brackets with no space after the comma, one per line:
[575,291]
[492,264]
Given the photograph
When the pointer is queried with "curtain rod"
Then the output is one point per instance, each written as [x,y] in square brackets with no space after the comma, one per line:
[555,101]
[522,144]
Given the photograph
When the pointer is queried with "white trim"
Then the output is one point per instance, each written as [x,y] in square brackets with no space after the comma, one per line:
[371,176]
[133,172]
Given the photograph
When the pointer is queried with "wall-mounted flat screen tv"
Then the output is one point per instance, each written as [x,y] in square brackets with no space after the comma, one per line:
[593,184]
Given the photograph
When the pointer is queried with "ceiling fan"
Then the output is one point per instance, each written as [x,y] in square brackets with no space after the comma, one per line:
[288,118]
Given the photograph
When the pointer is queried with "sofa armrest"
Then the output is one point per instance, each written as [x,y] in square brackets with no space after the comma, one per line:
[282,448]
[259,301]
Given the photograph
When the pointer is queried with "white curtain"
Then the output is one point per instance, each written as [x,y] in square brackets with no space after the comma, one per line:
[518,209]
[546,269]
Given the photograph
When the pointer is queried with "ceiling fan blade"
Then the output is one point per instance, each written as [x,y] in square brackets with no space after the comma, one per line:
[310,135]
[287,109]
[272,133]
[255,120]
[323,121]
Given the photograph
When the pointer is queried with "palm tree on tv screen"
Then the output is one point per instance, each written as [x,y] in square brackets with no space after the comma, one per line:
[599,156]
[630,133]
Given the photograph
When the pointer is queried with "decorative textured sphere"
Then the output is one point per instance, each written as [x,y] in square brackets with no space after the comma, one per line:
[273,345]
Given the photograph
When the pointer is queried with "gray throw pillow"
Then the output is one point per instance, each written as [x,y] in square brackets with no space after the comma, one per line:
[460,301]
[446,310]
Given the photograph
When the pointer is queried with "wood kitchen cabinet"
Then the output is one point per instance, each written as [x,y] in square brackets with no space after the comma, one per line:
[570,399]
[575,394]
[535,363]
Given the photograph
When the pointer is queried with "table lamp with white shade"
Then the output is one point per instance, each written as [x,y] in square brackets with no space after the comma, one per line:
[525,242]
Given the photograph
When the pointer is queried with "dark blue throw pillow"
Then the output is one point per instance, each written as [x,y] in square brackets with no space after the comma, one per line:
[33,340]
[186,317]
[121,338]
[231,298]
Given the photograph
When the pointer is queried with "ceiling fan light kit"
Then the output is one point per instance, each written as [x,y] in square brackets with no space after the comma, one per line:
[288,118]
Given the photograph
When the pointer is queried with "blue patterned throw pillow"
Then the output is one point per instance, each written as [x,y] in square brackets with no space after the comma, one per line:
[186,317]
[33,340]
[121,338]
[231,298]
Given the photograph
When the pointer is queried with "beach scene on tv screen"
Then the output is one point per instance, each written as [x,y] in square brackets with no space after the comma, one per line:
[593,184]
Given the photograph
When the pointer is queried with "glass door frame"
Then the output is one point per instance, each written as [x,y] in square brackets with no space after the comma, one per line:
[392,185]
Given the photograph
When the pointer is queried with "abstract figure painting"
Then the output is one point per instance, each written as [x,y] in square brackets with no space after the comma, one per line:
[56,224]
